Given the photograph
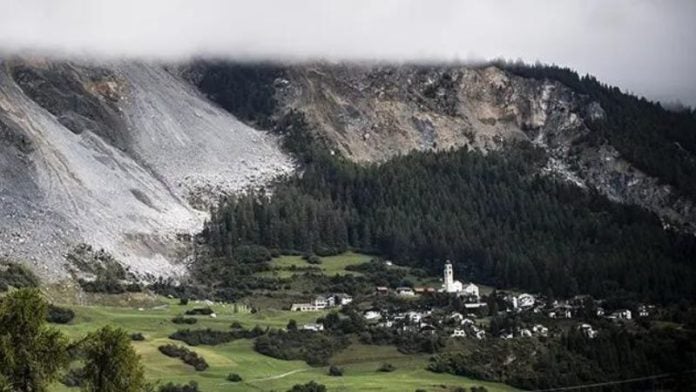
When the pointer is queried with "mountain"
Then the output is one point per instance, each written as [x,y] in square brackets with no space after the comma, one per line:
[629,149]
[120,156]
[129,156]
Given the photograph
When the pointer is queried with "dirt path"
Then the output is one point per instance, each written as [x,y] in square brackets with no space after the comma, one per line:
[279,376]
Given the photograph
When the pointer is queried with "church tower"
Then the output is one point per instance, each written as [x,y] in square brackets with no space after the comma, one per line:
[449,277]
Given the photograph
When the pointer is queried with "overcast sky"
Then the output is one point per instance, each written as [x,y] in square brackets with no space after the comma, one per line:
[648,47]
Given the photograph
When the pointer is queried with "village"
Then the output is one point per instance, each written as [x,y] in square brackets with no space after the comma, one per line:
[529,315]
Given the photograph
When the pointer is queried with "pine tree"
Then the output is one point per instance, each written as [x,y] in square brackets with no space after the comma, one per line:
[111,364]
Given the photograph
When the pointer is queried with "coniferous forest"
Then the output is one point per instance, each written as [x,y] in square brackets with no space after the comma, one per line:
[492,214]
[498,220]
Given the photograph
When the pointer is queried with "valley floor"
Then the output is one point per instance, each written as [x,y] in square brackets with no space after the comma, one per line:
[259,372]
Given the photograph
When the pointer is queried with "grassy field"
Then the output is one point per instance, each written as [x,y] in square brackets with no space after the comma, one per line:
[330,265]
[260,373]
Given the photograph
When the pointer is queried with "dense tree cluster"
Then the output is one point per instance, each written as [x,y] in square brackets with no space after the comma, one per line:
[492,214]
[187,356]
[313,348]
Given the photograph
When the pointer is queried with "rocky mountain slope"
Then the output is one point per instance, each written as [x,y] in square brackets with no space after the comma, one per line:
[370,113]
[121,156]
[128,156]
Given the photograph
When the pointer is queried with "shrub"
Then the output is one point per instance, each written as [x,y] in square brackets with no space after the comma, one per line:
[313,348]
[137,337]
[184,320]
[313,259]
[335,371]
[187,356]
[308,387]
[192,386]
[59,315]
[234,377]
[200,312]
[212,337]
[17,276]
[73,378]
[183,301]
[386,367]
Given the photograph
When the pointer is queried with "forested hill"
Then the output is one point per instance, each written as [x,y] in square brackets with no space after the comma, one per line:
[492,214]
[562,186]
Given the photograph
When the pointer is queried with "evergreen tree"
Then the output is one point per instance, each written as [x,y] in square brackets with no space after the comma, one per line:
[111,364]
[31,354]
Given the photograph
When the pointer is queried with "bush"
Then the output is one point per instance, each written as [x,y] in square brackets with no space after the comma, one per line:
[183,301]
[308,387]
[184,320]
[313,348]
[199,312]
[192,386]
[187,356]
[234,377]
[137,337]
[17,276]
[212,337]
[59,315]
[73,378]
[313,259]
[335,371]
[386,367]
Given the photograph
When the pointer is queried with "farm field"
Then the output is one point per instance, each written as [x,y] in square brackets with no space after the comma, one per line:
[259,372]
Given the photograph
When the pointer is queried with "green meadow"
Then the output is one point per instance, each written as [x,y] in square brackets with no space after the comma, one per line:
[259,372]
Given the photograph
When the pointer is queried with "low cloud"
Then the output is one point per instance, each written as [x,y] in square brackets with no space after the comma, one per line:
[644,46]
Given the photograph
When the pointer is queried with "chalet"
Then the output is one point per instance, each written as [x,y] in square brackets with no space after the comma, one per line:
[622,314]
[372,315]
[480,334]
[304,307]
[405,292]
[505,335]
[313,327]
[467,321]
[540,330]
[525,333]
[427,329]
[587,330]
[458,333]
[643,311]
[382,290]
[525,301]
[600,311]
[341,299]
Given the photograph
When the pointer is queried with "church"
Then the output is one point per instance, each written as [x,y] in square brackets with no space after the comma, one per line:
[456,287]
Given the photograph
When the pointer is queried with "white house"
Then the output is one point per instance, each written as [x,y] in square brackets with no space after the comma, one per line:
[587,330]
[341,299]
[458,333]
[405,292]
[525,300]
[540,330]
[471,290]
[525,333]
[372,315]
[313,327]
[304,307]
[623,314]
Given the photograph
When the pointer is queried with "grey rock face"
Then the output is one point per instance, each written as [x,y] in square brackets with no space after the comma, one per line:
[374,112]
[112,155]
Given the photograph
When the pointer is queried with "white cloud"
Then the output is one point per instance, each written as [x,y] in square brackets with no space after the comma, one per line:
[642,45]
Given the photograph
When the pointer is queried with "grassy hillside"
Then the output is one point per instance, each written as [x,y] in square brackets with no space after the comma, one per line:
[258,371]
